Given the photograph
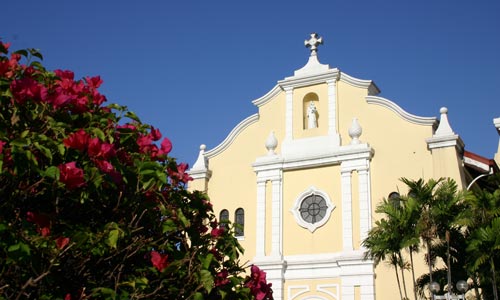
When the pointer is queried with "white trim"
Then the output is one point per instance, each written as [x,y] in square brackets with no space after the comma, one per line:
[476,163]
[327,265]
[429,121]
[232,136]
[301,81]
[360,83]
[267,97]
[454,140]
[322,288]
[302,290]
[296,213]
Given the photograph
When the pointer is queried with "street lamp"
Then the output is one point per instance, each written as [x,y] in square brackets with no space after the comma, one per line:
[462,287]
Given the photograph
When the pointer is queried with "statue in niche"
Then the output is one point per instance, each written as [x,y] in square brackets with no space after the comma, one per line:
[312,116]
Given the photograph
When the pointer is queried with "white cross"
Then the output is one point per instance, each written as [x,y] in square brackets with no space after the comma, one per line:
[314,42]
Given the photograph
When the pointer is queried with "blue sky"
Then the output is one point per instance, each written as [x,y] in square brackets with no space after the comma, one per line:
[192,68]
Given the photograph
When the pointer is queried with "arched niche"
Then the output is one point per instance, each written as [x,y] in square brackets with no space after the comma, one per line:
[310,112]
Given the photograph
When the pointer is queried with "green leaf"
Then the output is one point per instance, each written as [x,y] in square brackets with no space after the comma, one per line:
[198,296]
[98,132]
[133,116]
[51,172]
[183,218]
[113,237]
[207,280]
[35,53]
[22,52]
[168,225]
[46,151]
[207,260]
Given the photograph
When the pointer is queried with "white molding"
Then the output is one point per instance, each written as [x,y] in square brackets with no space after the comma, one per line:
[445,141]
[476,163]
[296,213]
[360,83]
[350,155]
[496,122]
[232,136]
[267,97]
[427,121]
[322,288]
[301,81]
[327,265]
[302,290]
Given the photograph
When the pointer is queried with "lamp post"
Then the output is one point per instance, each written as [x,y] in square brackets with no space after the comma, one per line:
[462,287]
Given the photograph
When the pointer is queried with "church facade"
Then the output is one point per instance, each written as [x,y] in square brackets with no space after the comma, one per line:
[304,174]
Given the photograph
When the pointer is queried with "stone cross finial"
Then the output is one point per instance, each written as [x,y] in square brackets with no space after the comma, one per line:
[313,43]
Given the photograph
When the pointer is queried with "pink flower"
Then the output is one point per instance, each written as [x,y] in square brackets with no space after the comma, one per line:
[221,278]
[180,175]
[67,297]
[77,140]
[258,284]
[166,146]
[71,175]
[97,149]
[159,261]
[94,82]
[2,143]
[144,142]
[155,134]
[104,166]
[217,232]
[62,242]
[28,89]
[65,74]
[42,221]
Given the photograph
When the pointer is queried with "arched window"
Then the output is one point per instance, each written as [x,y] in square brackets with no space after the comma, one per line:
[239,221]
[223,218]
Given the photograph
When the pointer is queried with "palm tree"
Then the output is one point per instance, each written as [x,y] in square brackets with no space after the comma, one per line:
[423,193]
[484,247]
[380,246]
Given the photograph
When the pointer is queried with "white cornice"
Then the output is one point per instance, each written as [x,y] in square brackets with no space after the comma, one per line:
[232,135]
[300,81]
[361,83]
[341,154]
[267,97]
[428,121]
[476,163]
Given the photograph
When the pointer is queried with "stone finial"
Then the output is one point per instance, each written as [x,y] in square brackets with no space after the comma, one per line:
[201,163]
[271,144]
[355,132]
[313,43]
[444,128]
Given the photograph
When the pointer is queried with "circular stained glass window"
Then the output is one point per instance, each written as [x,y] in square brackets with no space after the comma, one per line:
[313,209]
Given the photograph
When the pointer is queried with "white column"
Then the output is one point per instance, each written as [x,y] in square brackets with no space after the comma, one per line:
[289,113]
[346,210]
[276,242]
[364,203]
[332,107]
[368,291]
[347,292]
[260,250]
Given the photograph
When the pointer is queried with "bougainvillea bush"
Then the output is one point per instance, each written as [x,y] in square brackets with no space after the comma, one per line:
[93,207]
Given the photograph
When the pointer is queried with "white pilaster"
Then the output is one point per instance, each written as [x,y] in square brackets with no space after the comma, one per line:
[364,203]
[261,219]
[332,107]
[346,210]
[277,235]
